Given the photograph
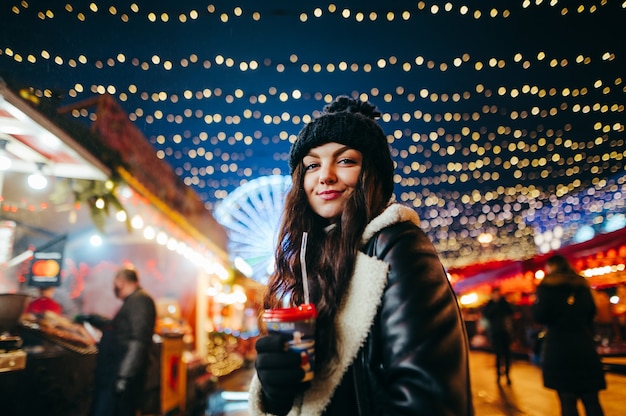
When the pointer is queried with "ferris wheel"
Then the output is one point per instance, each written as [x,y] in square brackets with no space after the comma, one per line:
[251,215]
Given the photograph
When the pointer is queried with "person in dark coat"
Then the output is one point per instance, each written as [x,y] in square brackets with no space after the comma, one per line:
[570,362]
[123,350]
[499,313]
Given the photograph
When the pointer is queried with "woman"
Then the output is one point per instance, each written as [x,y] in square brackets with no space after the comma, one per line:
[570,362]
[389,334]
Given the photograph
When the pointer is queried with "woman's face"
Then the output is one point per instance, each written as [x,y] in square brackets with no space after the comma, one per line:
[331,172]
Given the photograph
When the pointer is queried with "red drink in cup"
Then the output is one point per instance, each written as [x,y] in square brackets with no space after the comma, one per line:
[299,323]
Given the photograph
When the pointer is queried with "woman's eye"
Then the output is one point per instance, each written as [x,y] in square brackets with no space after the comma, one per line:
[310,166]
[346,161]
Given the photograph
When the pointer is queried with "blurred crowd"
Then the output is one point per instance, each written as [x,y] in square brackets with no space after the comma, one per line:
[609,323]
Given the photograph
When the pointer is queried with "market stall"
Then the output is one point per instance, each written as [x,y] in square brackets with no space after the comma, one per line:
[601,260]
[98,215]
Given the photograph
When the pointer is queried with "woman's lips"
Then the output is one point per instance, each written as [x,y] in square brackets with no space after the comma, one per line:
[329,195]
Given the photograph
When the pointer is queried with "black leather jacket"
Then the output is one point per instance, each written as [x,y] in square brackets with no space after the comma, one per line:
[415,360]
[403,348]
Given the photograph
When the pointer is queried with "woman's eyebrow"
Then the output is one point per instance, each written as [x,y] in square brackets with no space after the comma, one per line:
[335,153]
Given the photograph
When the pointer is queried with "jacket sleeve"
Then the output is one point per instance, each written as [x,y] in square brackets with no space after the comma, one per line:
[424,356]
[142,315]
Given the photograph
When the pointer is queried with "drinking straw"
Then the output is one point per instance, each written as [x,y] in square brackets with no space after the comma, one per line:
[305,279]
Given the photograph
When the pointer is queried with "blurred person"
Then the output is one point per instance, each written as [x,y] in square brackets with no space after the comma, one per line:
[499,314]
[124,349]
[389,335]
[45,302]
[570,362]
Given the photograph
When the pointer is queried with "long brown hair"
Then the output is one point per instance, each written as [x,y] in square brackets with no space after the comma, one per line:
[330,256]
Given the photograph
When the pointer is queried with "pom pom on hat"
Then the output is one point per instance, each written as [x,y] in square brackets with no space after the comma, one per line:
[352,123]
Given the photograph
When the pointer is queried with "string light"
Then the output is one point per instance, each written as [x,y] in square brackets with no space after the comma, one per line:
[476,154]
[156,16]
[37,180]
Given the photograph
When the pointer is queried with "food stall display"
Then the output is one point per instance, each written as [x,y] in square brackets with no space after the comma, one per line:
[57,363]
[12,357]
[60,330]
[106,218]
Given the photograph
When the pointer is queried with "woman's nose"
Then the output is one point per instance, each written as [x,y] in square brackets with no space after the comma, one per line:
[327,175]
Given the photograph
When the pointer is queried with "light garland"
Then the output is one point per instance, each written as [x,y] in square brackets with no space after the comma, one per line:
[153,16]
[489,140]
[293,63]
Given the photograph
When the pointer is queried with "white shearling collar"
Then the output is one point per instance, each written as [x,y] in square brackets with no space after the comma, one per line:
[393,214]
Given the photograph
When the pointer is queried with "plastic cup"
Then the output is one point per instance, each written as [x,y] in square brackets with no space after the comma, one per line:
[299,323]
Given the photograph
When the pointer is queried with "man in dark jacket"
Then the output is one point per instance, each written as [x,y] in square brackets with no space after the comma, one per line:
[499,314]
[124,348]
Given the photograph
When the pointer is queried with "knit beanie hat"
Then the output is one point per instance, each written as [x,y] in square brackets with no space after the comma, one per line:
[349,122]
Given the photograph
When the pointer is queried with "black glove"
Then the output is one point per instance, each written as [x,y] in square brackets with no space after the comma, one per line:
[279,372]
[121,384]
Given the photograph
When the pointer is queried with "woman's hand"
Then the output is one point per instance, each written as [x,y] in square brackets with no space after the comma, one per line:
[279,372]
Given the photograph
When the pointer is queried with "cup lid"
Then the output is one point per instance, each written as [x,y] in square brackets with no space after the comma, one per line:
[298,313]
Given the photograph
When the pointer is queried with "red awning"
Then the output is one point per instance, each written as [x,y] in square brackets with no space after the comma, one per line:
[603,250]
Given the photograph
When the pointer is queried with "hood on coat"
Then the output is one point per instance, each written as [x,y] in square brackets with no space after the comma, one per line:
[564,279]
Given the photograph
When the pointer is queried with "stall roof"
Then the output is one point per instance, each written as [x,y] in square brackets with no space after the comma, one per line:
[36,140]
[32,140]
[606,250]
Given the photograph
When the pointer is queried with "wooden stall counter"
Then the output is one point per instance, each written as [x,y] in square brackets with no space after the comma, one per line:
[177,382]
